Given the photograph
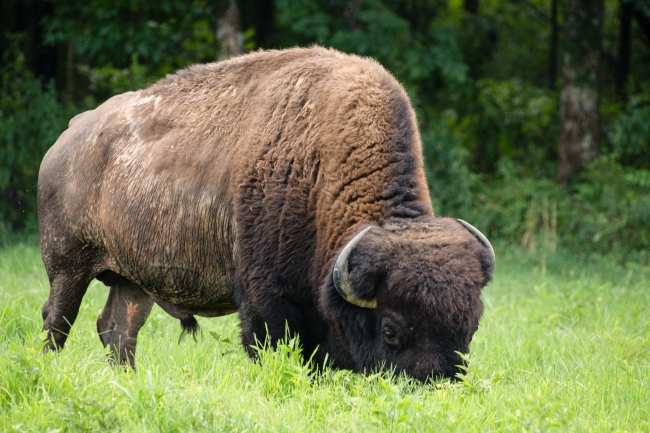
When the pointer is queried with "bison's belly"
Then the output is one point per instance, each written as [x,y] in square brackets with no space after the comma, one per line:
[185,266]
[189,287]
[173,235]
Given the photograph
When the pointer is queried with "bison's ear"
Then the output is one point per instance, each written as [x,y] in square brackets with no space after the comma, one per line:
[486,256]
[366,276]
[356,274]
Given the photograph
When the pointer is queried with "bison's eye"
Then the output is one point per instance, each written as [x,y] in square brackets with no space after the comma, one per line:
[390,338]
[391,332]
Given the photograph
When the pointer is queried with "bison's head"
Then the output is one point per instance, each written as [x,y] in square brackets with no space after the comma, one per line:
[408,297]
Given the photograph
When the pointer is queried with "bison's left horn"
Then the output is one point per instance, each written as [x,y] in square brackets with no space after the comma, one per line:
[341,275]
[480,236]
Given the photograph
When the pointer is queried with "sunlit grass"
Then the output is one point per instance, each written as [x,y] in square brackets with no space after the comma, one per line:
[563,345]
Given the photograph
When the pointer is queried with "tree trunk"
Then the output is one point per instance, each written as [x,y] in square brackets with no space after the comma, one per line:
[580,135]
[69,71]
[644,21]
[552,63]
[230,39]
[624,48]
[350,11]
[471,6]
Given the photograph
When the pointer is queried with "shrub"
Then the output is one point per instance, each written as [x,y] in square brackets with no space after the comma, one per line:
[632,133]
[32,116]
[612,210]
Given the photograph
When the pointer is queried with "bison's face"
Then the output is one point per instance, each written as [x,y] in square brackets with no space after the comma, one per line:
[422,335]
[414,298]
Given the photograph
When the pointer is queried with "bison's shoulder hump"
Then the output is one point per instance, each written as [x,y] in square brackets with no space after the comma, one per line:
[264,65]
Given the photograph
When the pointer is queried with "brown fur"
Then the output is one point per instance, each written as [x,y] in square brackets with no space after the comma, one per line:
[234,185]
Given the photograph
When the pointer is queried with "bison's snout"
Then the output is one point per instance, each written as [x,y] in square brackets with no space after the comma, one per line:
[439,367]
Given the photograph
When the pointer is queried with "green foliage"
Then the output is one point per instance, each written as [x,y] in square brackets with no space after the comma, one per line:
[514,120]
[478,41]
[632,134]
[125,45]
[422,52]
[108,80]
[32,116]
[565,347]
[452,185]
[507,206]
[607,212]
[165,34]
[612,210]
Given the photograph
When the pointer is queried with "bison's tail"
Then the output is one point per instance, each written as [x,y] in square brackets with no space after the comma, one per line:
[190,326]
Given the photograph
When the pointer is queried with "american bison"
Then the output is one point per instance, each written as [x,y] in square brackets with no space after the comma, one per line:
[286,185]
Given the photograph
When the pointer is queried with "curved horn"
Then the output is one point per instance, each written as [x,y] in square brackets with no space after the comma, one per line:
[480,236]
[341,275]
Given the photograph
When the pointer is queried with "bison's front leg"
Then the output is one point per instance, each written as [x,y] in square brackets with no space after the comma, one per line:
[265,315]
[259,329]
[125,312]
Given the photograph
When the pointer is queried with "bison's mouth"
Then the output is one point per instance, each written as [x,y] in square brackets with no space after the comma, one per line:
[434,370]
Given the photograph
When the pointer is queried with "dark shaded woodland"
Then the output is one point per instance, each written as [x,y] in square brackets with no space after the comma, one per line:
[534,114]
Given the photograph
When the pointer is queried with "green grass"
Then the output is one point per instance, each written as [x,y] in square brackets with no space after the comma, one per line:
[561,347]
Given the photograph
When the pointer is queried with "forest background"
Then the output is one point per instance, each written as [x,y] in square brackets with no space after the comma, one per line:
[534,114]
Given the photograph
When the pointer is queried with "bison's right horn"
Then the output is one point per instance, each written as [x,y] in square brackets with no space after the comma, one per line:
[341,275]
[480,236]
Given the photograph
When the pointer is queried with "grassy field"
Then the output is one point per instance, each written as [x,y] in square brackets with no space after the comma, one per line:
[563,346]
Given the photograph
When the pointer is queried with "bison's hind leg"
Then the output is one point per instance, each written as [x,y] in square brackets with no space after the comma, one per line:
[67,288]
[127,309]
